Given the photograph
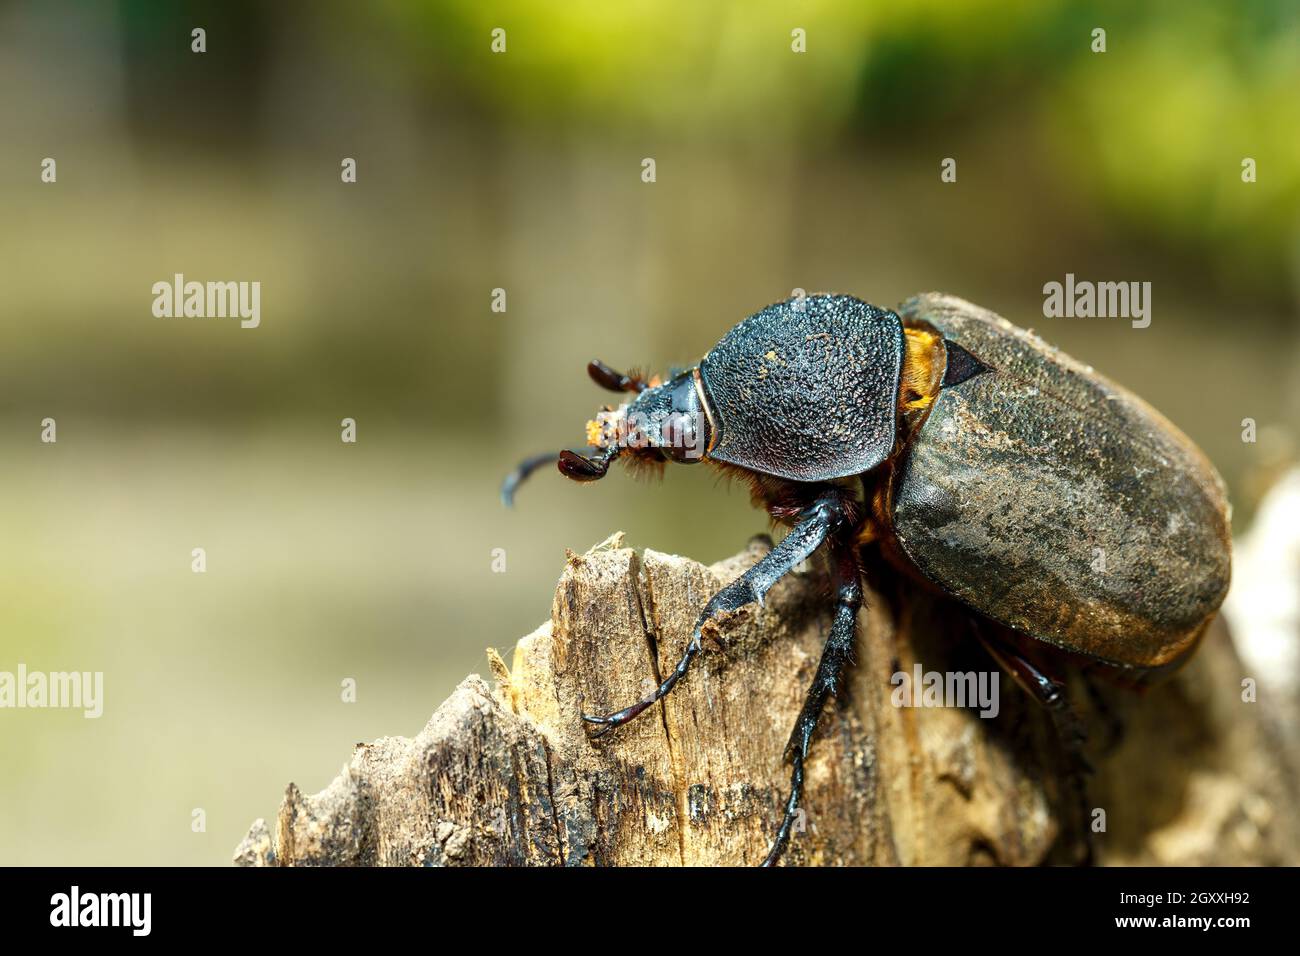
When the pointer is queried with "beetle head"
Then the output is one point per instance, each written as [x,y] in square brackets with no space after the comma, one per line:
[665,422]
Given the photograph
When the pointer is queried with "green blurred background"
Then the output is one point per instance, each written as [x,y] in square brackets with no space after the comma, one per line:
[522,170]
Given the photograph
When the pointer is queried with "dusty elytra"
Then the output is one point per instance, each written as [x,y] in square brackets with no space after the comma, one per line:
[974,456]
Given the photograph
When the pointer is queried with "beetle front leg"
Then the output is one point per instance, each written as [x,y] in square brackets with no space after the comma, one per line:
[826,515]
[836,655]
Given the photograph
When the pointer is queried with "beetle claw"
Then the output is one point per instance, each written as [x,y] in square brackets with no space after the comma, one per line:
[617,719]
[605,728]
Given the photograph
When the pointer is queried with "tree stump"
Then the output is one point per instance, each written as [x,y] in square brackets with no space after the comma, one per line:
[507,775]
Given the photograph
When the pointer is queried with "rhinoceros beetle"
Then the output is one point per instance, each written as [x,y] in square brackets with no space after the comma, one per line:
[973,454]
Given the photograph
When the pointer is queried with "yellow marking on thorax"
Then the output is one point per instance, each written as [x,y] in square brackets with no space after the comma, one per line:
[922,369]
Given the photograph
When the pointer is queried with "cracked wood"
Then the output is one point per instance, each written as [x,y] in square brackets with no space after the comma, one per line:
[507,775]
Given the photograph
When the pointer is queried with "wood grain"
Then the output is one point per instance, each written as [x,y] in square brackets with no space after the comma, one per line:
[507,775]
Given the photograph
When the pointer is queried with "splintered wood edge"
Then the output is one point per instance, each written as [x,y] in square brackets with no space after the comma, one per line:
[507,776]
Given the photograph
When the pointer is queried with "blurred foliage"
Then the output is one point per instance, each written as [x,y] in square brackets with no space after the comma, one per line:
[1184,86]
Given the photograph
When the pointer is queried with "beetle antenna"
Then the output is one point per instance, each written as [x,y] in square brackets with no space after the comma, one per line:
[607,378]
[581,468]
[523,470]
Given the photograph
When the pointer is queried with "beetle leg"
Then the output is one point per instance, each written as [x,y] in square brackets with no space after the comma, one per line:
[816,522]
[1032,680]
[521,472]
[835,656]
[1050,692]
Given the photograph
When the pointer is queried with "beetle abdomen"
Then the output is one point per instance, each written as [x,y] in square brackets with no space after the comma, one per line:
[806,392]
[1058,503]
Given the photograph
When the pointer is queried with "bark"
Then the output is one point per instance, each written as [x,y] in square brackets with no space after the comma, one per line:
[508,774]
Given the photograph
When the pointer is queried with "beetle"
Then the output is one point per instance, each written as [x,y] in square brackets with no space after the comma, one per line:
[1049,501]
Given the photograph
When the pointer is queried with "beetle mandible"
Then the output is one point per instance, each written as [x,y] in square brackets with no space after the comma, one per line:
[973,454]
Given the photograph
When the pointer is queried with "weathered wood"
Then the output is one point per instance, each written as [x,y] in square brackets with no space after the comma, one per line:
[508,775]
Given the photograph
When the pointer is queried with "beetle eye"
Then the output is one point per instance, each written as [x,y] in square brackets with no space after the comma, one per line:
[681,438]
